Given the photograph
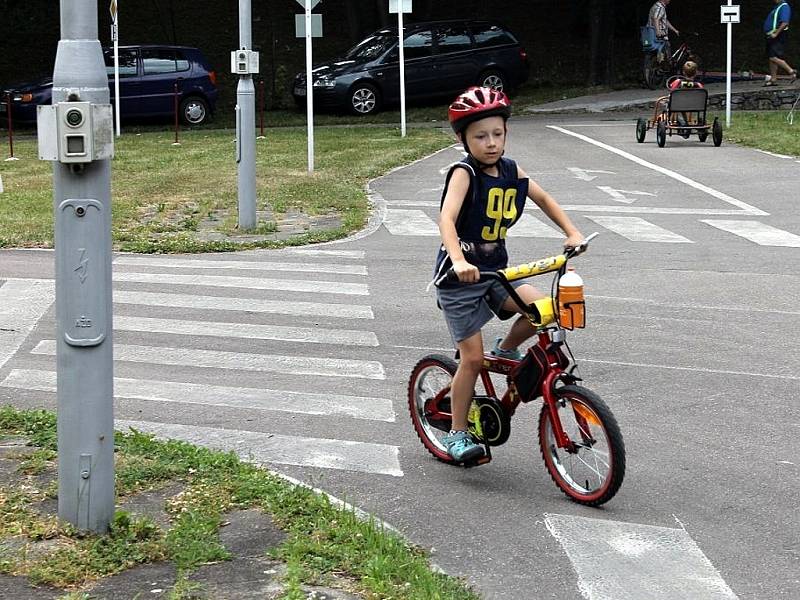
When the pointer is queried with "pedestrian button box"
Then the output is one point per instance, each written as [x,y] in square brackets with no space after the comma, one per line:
[244,62]
[75,132]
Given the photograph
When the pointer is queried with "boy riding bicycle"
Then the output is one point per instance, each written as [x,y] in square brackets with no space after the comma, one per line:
[484,195]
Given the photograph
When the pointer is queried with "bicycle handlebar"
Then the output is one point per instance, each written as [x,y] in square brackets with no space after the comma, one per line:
[531,269]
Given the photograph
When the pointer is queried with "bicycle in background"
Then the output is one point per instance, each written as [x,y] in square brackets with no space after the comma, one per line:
[658,66]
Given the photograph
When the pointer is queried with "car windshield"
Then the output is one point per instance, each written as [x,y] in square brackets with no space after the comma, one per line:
[372,47]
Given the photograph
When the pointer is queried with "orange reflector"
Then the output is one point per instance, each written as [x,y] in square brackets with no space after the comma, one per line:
[587,413]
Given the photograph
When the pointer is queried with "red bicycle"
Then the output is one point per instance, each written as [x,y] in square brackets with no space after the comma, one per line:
[579,438]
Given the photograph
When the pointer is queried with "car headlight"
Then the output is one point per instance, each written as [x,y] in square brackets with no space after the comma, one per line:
[325,82]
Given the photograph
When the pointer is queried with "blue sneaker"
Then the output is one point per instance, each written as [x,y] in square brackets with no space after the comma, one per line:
[460,446]
[514,354]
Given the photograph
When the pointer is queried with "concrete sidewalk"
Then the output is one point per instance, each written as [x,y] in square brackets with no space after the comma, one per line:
[747,92]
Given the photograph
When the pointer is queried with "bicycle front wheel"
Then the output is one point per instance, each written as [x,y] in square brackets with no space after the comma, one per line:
[429,402]
[590,471]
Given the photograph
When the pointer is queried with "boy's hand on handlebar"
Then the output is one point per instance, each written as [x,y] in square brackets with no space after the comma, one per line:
[466,272]
[573,241]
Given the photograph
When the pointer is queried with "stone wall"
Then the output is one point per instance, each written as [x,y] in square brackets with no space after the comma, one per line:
[757,100]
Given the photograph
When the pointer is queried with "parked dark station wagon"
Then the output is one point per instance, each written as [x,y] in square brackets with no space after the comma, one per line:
[442,58]
[147,76]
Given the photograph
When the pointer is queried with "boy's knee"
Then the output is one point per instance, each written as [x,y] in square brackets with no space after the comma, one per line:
[471,363]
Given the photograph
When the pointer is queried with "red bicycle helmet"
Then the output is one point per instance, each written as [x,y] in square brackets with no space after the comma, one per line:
[477,103]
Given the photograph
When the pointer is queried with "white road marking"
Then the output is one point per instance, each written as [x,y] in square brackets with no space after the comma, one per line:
[583,174]
[622,195]
[639,230]
[628,561]
[746,209]
[358,407]
[177,263]
[282,449]
[694,307]
[755,231]
[410,222]
[530,226]
[217,359]
[255,305]
[425,203]
[289,285]
[313,335]
[323,252]
[775,154]
[22,303]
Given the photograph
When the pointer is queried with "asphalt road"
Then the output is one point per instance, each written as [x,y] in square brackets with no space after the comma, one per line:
[691,339]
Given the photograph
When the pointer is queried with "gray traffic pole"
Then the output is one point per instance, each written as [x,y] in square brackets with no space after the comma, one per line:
[82,204]
[246,128]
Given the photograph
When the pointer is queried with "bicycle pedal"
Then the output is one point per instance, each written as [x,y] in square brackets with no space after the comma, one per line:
[477,462]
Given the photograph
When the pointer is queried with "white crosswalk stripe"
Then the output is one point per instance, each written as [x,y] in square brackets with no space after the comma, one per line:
[410,222]
[530,226]
[231,265]
[289,285]
[317,335]
[629,561]
[639,230]
[254,305]
[282,449]
[22,304]
[357,407]
[217,359]
[760,233]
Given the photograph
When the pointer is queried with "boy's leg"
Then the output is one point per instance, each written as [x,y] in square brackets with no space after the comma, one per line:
[461,390]
[522,329]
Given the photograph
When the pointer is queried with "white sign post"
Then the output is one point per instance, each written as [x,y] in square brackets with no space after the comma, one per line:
[729,15]
[115,38]
[396,7]
[308,34]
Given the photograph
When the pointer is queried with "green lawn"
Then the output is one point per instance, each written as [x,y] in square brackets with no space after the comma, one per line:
[767,130]
[161,193]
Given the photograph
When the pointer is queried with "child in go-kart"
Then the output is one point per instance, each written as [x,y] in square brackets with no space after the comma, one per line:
[484,195]
[676,83]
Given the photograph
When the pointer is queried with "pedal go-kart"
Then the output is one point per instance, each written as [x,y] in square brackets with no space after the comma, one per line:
[682,113]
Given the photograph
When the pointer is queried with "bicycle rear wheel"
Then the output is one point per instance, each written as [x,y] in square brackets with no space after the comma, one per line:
[592,470]
[429,402]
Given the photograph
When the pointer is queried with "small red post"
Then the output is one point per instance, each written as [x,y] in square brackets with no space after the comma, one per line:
[176,114]
[10,126]
[261,105]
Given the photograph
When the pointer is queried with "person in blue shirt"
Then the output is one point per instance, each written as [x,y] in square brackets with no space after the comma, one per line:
[776,26]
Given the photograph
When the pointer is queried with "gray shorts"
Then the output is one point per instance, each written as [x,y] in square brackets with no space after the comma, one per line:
[467,308]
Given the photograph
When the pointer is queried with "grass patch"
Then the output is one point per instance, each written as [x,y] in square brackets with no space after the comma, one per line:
[766,130]
[324,542]
[160,192]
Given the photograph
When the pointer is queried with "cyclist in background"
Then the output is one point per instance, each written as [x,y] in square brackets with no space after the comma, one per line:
[484,195]
[658,21]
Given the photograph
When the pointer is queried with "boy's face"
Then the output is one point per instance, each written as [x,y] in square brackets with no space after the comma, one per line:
[486,139]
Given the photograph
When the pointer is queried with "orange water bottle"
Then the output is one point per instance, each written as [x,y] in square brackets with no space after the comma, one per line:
[570,300]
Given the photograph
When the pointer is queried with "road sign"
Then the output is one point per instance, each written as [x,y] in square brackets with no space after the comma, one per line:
[300,26]
[112,8]
[393,6]
[729,14]
[303,3]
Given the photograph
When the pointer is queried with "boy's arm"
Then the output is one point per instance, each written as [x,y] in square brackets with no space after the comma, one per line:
[552,209]
[451,207]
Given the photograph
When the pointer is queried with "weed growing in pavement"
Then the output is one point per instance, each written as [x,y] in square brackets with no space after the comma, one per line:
[324,543]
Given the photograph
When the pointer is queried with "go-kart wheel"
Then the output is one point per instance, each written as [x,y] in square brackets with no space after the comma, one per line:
[661,134]
[716,132]
[641,130]
[702,135]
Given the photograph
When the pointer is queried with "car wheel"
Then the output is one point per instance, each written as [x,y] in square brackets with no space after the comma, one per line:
[493,79]
[194,110]
[364,99]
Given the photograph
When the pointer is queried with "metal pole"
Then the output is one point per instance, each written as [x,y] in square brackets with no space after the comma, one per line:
[402,71]
[175,111]
[82,206]
[246,127]
[261,103]
[10,128]
[115,35]
[309,91]
[728,73]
